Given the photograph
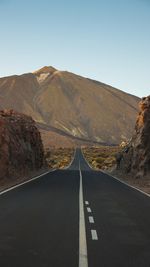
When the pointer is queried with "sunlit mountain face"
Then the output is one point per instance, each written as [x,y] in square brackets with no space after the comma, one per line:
[71,106]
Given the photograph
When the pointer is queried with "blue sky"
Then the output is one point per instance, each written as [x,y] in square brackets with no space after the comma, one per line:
[107,40]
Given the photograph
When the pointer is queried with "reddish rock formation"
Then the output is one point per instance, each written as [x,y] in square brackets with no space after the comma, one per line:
[137,158]
[21,148]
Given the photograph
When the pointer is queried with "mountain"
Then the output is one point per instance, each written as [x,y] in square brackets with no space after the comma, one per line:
[71,106]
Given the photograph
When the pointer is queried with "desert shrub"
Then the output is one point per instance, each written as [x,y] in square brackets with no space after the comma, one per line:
[100,160]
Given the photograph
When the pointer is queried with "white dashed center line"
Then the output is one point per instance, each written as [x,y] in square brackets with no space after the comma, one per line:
[91,219]
[83,259]
[89,210]
[94,235]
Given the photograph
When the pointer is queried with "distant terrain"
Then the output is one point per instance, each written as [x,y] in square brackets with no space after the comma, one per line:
[70,109]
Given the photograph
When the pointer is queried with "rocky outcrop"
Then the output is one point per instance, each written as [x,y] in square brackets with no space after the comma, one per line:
[21,149]
[136,158]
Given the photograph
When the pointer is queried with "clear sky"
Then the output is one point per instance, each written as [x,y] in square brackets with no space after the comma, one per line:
[107,40]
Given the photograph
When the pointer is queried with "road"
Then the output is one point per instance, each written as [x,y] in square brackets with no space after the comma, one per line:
[74,217]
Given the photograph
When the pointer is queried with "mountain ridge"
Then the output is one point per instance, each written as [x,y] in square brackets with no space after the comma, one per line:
[78,106]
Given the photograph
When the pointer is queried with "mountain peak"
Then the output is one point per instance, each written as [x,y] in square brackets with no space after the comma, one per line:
[45,69]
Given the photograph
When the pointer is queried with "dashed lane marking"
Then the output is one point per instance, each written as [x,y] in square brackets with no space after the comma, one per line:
[91,219]
[94,235]
[89,210]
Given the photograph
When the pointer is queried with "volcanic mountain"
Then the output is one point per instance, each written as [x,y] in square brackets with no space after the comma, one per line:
[71,106]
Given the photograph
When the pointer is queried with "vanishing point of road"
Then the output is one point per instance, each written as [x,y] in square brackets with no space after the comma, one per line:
[74,218]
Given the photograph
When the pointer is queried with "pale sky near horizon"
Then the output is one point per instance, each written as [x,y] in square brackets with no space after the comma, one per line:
[107,40]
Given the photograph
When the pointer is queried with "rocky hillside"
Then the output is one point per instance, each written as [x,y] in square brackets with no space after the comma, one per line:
[71,105]
[136,160]
[21,146]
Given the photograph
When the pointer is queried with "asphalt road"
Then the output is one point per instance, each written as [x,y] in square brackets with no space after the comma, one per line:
[41,223]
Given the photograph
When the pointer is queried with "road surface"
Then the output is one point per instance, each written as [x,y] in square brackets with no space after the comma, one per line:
[74,218]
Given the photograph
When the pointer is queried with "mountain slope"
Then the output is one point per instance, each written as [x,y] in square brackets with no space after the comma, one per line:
[78,106]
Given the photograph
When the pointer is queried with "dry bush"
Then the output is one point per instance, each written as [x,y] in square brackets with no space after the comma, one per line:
[59,158]
[102,157]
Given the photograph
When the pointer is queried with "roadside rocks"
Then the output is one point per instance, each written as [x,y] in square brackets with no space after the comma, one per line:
[21,148]
[136,159]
